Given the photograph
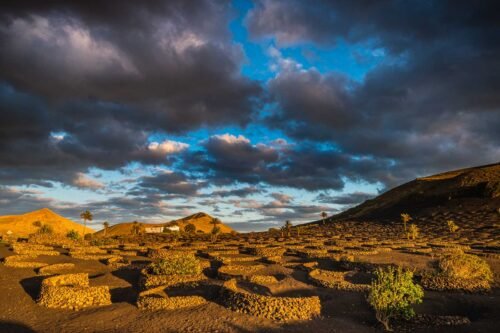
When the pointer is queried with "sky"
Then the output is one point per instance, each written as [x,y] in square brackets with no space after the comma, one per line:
[255,112]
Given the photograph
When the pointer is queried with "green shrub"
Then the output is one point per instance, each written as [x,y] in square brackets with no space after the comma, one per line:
[412,232]
[465,266]
[452,226]
[177,265]
[45,229]
[392,294]
[73,235]
[459,271]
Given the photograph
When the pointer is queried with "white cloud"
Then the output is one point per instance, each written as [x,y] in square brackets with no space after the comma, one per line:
[231,139]
[82,181]
[167,147]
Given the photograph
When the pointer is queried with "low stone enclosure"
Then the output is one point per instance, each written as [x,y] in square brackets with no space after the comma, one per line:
[336,280]
[237,273]
[158,299]
[72,291]
[270,307]
[148,280]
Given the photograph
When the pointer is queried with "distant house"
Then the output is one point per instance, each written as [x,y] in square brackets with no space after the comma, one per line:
[160,229]
[153,230]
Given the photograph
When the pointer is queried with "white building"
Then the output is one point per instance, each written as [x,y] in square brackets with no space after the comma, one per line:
[153,230]
[160,229]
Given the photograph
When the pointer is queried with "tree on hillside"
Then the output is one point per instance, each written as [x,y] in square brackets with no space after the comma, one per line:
[324,215]
[106,226]
[135,228]
[37,224]
[216,230]
[288,227]
[215,233]
[86,216]
[190,228]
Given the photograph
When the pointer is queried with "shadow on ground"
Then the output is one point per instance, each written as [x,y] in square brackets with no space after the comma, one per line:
[14,327]
[31,286]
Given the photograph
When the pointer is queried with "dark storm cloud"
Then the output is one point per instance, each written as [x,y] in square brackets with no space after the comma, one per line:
[345,199]
[108,74]
[40,143]
[394,24]
[228,159]
[173,61]
[170,183]
[239,192]
[428,107]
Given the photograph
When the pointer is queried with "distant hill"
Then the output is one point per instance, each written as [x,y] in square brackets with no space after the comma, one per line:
[22,225]
[200,220]
[476,188]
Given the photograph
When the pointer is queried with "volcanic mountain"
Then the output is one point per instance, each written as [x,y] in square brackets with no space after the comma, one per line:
[465,190]
[200,220]
[23,225]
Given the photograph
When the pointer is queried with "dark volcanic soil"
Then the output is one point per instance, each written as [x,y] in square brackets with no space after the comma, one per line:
[341,311]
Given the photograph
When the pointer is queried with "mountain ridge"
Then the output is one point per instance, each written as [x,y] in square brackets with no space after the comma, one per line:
[22,224]
[472,187]
[201,221]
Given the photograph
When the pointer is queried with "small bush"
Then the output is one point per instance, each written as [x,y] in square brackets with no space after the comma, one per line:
[45,229]
[392,294]
[452,226]
[37,224]
[412,232]
[73,235]
[177,265]
[465,266]
[459,271]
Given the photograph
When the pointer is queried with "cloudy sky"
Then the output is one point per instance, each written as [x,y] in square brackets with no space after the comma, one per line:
[252,111]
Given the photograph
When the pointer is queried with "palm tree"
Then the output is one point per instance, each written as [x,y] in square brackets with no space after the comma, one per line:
[406,218]
[215,233]
[86,216]
[324,216]
[106,226]
[288,227]
[216,229]
[135,228]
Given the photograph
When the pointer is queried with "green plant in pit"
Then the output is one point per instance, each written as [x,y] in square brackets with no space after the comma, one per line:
[452,226]
[465,266]
[412,232]
[177,265]
[392,294]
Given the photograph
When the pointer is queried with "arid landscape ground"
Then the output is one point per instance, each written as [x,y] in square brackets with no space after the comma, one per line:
[308,278]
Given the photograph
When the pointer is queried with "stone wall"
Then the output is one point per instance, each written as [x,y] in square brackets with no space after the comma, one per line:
[275,308]
[147,280]
[72,291]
